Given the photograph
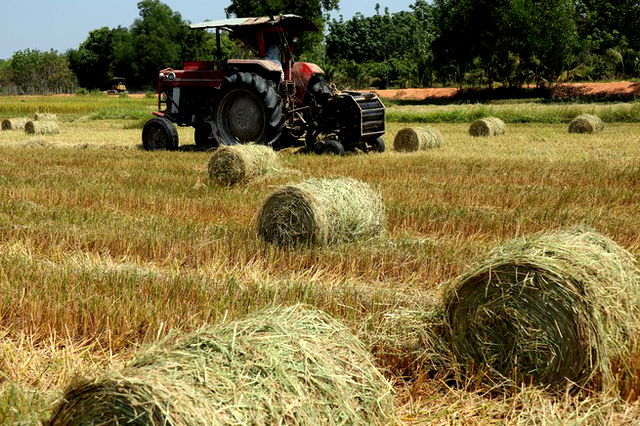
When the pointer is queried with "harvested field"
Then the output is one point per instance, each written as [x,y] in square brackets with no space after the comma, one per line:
[106,249]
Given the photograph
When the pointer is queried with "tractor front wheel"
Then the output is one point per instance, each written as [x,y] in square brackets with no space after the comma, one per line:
[248,109]
[159,134]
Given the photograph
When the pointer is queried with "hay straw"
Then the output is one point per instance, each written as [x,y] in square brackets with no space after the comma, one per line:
[412,341]
[322,211]
[42,127]
[40,116]
[415,139]
[291,365]
[547,309]
[586,123]
[230,165]
[489,126]
[14,123]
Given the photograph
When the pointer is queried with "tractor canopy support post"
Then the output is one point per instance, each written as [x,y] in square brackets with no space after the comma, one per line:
[218,47]
[262,49]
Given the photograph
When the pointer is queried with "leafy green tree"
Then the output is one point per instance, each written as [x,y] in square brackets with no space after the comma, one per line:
[510,40]
[607,26]
[36,72]
[156,40]
[159,38]
[6,82]
[93,61]
[391,45]
[312,9]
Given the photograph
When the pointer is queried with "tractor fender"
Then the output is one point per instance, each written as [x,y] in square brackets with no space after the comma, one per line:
[301,73]
[264,67]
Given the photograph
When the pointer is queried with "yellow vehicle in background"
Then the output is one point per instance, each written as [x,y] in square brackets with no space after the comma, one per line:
[117,86]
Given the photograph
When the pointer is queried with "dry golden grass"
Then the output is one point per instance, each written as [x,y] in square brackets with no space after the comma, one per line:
[104,247]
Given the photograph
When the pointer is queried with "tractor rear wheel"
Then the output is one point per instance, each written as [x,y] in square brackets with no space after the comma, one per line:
[159,134]
[248,109]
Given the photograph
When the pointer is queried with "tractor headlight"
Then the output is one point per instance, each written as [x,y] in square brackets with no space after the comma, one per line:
[171,76]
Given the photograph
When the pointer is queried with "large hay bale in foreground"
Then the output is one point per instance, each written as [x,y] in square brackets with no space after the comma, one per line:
[416,139]
[586,123]
[230,165]
[322,211]
[489,126]
[42,116]
[41,128]
[291,365]
[547,309]
[14,123]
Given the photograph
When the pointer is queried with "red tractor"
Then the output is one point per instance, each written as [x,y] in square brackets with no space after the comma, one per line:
[271,100]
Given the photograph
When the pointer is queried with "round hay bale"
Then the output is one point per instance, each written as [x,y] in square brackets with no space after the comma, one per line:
[291,365]
[415,139]
[230,165]
[547,309]
[489,126]
[586,123]
[321,212]
[14,123]
[40,116]
[42,127]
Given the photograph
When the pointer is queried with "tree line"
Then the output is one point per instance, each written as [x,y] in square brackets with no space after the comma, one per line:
[464,42]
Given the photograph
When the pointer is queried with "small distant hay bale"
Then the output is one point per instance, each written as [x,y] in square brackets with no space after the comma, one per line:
[321,212]
[40,116]
[489,126]
[230,165]
[586,123]
[41,128]
[292,365]
[416,139]
[37,142]
[14,123]
[548,309]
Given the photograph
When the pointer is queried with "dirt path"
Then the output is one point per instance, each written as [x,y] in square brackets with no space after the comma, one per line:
[589,89]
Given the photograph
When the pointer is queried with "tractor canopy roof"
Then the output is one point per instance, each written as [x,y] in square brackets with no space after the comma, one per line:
[287,23]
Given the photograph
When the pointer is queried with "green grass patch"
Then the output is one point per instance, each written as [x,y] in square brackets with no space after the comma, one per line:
[99,107]
[514,113]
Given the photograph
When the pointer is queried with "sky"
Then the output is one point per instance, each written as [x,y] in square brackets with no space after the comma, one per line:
[64,24]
